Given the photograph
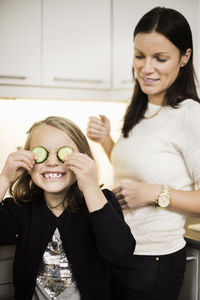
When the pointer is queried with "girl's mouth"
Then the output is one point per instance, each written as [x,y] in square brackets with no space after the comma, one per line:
[53,175]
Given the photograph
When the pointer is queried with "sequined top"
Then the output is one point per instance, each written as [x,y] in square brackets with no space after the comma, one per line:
[55,279]
[88,244]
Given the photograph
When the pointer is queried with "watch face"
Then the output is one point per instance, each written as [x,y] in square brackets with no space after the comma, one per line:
[163,200]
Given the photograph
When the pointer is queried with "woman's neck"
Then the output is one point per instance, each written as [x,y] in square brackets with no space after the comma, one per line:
[157,100]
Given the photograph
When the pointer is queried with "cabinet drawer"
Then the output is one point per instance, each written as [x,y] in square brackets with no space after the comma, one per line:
[6,273]
[7,251]
[6,292]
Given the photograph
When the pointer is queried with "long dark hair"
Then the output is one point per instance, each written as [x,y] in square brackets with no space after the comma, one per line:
[176,29]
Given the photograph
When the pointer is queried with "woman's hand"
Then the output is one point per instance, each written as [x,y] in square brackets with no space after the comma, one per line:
[134,194]
[15,165]
[98,129]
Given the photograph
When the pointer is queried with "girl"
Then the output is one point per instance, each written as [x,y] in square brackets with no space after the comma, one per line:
[68,231]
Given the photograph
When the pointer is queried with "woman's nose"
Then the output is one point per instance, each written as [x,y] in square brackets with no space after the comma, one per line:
[147,66]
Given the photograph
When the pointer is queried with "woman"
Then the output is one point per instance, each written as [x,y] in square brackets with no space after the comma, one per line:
[61,217]
[156,160]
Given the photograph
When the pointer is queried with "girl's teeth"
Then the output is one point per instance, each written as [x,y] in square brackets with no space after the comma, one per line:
[52,175]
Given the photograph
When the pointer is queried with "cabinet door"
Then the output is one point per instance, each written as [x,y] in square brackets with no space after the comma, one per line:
[190,287]
[20,27]
[126,15]
[6,271]
[76,43]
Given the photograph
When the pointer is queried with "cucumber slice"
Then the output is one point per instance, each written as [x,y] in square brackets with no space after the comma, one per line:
[63,152]
[41,154]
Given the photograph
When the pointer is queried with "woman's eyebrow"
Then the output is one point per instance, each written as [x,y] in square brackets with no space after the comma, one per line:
[157,53]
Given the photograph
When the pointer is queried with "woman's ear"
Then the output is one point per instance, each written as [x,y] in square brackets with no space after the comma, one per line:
[185,57]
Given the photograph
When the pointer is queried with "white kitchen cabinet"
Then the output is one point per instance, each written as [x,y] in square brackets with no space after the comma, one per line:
[72,49]
[126,15]
[20,36]
[76,43]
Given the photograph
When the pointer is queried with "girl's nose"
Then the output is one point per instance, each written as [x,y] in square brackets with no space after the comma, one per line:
[52,159]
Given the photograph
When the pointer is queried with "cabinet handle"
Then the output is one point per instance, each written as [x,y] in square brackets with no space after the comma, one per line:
[190,258]
[12,77]
[126,81]
[7,258]
[78,80]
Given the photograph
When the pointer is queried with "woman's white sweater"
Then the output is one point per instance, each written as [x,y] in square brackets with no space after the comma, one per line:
[164,149]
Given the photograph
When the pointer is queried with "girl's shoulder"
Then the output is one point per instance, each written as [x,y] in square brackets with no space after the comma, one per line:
[9,202]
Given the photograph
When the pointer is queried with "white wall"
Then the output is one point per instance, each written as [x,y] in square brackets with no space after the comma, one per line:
[16,116]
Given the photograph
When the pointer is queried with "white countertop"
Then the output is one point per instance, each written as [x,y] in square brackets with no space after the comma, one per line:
[194,227]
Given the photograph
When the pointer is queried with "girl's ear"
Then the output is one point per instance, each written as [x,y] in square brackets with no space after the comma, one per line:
[185,57]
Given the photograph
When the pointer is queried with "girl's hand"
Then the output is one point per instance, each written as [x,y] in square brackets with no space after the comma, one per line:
[16,163]
[98,129]
[84,169]
[134,194]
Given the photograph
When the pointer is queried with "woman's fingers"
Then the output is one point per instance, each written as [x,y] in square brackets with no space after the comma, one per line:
[116,189]
[123,203]
[97,128]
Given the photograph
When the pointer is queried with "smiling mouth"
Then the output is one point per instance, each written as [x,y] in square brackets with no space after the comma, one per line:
[149,80]
[53,175]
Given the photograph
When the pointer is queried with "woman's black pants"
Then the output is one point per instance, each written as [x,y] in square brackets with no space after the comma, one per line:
[150,277]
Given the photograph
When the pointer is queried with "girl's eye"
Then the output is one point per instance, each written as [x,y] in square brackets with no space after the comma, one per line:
[63,152]
[41,154]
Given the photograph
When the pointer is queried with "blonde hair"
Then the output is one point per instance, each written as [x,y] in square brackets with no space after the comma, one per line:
[24,190]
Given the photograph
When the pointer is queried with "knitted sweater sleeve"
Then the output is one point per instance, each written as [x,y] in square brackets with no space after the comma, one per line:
[191,148]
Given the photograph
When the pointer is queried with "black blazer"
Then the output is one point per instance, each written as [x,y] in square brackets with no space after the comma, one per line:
[91,241]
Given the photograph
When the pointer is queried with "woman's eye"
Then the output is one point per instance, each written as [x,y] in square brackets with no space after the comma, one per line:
[161,59]
[139,56]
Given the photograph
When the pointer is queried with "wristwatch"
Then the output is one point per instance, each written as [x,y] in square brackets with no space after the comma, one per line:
[163,199]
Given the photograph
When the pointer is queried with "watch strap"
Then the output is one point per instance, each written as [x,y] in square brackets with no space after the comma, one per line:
[164,191]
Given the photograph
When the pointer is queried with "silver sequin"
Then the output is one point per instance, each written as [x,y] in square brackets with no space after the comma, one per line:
[55,273]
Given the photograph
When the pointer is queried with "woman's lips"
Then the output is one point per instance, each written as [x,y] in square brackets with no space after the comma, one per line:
[149,80]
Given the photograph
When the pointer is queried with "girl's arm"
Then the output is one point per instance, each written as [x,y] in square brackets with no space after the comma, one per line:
[113,236]
[85,171]
[4,186]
